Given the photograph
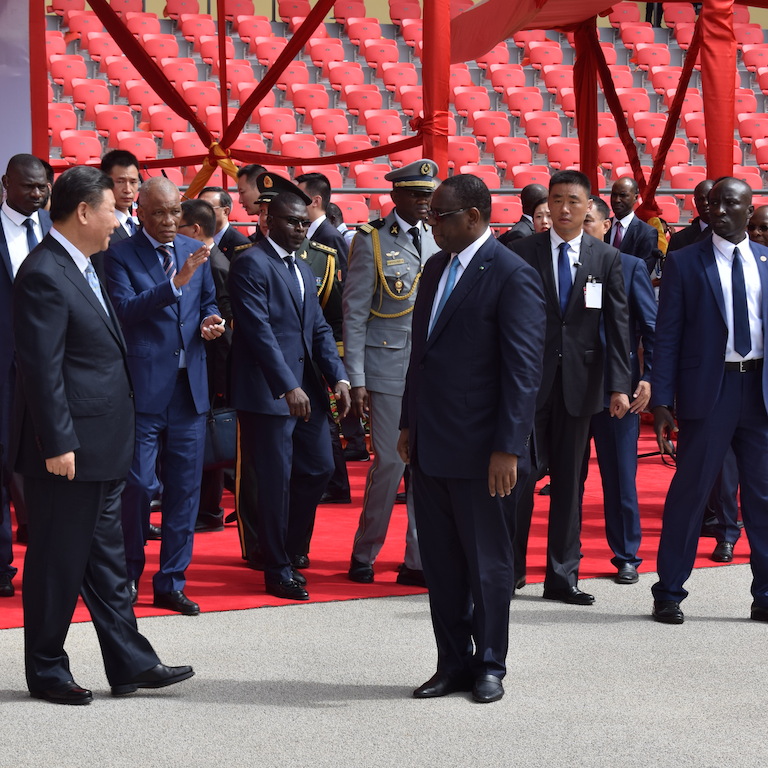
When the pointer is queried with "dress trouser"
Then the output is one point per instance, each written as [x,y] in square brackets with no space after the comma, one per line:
[722,502]
[381,485]
[561,440]
[465,536]
[738,420]
[292,462]
[76,546]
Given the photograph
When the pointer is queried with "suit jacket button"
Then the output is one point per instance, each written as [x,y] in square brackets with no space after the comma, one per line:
[301,359]
[176,353]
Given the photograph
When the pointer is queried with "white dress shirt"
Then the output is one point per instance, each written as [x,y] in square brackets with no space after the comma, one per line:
[574,250]
[282,253]
[16,234]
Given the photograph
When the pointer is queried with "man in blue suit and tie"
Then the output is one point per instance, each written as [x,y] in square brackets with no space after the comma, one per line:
[23,223]
[616,439]
[161,286]
[283,356]
[467,417]
[708,368]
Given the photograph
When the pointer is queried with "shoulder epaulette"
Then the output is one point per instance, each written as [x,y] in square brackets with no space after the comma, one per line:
[323,247]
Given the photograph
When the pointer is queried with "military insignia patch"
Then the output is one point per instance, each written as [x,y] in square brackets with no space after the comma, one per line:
[426,169]
[394,230]
[267,182]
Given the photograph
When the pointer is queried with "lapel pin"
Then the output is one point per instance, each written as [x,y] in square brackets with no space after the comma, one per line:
[762,258]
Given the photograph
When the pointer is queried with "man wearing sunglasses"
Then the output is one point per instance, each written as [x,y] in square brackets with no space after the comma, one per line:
[385,264]
[283,355]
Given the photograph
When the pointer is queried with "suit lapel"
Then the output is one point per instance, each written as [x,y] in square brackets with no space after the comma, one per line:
[5,254]
[707,256]
[546,270]
[403,239]
[427,290]
[282,271]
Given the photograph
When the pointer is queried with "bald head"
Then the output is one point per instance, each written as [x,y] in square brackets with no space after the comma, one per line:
[730,208]
[757,229]
[159,208]
[700,195]
[26,184]
[531,195]
[623,196]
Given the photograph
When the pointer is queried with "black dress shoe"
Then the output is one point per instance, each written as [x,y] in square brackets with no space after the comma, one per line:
[159,676]
[255,563]
[571,595]
[133,590]
[176,601]
[758,613]
[6,586]
[22,533]
[356,455]
[299,561]
[209,523]
[441,685]
[410,577]
[332,498]
[362,573]
[520,583]
[231,517]
[66,693]
[155,533]
[401,498]
[627,574]
[723,552]
[288,590]
[544,490]
[667,612]
[487,688]
[299,577]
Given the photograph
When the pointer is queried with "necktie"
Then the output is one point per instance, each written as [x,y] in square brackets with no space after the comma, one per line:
[131,224]
[742,342]
[31,236]
[617,235]
[93,281]
[416,237]
[169,267]
[564,276]
[449,283]
[291,264]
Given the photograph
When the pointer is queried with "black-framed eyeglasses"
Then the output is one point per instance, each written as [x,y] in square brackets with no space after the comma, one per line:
[292,221]
[438,216]
[181,226]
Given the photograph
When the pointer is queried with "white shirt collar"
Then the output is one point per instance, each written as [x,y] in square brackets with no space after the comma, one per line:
[19,218]
[404,225]
[314,226]
[626,221]
[80,259]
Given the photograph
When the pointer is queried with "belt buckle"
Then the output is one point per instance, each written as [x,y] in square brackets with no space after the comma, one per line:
[742,366]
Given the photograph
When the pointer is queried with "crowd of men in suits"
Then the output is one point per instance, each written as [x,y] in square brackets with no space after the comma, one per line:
[480,369]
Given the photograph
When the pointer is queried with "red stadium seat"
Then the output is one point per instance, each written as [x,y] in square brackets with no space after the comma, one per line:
[470,98]
[609,52]
[179,71]
[692,102]
[750,174]
[65,68]
[624,13]
[343,73]
[100,46]
[251,27]
[376,52]
[488,173]
[294,74]
[399,10]
[250,142]
[361,166]
[111,119]
[523,175]
[327,123]
[635,33]
[633,100]
[499,54]
[398,73]
[186,144]
[539,126]
[678,13]
[80,147]
[541,52]
[621,75]
[201,94]
[353,208]
[164,122]
[562,151]
[664,78]
[239,71]
[160,46]
[669,208]
[119,72]
[361,97]
[687,177]
[193,26]
[649,55]
[141,143]
[459,6]
[344,10]
[141,97]
[458,77]
[745,101]
[122,7]
[369,176]
[176,8]
[403,157]
[355,143]
[754,56]
[606,125]
[462,150]
[86,94]
[323,51]
[505,76]
[361,29]
[61,7]
[214,120]
[522,99]
[748,34]
[297,145]
[308,96]
[556,77]
[505,210]
[81,23]
[488,125]
[509,151]
[267,49]
[693,125]
[234,9]
[54,42]
[245,90]
[412,31]
[752,126]
[522,38]
[209,51]
[380,124]
[760,148]
[289,8]
[677,154]
[142,24]
[611,153]
[275,121]
[61,117]
[684,35]
[647,126]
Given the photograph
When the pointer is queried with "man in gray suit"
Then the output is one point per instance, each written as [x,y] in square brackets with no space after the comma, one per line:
[385,264]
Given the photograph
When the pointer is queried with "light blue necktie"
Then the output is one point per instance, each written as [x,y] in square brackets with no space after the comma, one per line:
[449,283]
[93,281]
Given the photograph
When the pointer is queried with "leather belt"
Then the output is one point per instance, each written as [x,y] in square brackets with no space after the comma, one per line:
[745,366]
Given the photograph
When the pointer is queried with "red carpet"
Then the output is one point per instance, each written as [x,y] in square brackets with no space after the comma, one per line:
[218,580]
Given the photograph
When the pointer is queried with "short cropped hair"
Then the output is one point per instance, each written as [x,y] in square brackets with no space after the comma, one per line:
[81,184]
[317,184]
[225,199]
[470,191]
[118,158]
[601,206]
[251,172]
[571,177]
[200,212]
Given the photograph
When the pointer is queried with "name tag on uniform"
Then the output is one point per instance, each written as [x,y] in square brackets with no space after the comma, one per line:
[593,294]
[395,262]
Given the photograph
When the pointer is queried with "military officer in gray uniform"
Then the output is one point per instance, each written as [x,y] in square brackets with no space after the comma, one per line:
[385,263]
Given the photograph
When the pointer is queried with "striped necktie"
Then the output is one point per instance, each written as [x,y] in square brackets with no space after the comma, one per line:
[169,267]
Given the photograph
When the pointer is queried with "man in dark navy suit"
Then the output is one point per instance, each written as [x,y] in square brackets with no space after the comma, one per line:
[229,240]
[123,168]
[160,283]
[26,190]
[616,439]
[73,442]
[530,196]
[283,356]
[708,368]
[698,229]
[628,233]
[467,416]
